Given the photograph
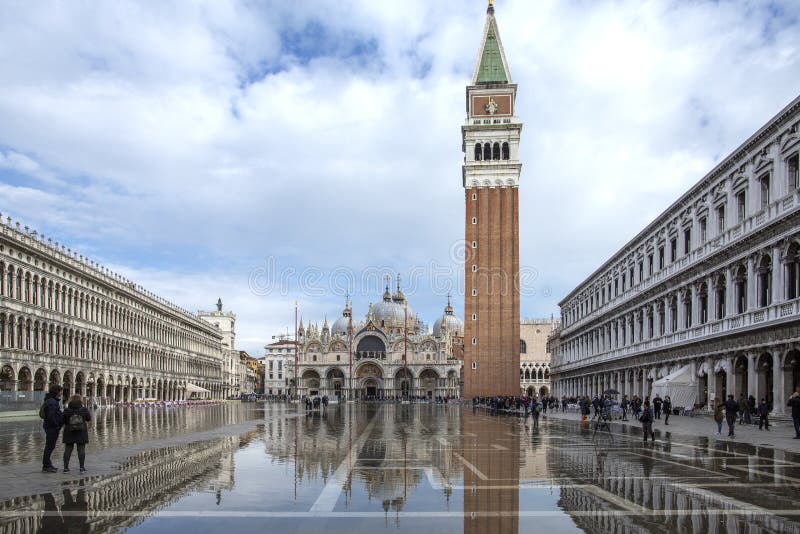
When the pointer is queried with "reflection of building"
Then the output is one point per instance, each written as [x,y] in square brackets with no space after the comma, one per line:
[65,319]
[713,284]
[491,504]
[534,356]
[491,172]
[603,482]
[145,484]
[389,465]
[385,362]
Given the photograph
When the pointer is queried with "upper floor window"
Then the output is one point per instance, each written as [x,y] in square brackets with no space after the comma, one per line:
[630,275]
[792,164]
[496,151]
[506,151]
[523,347]
[741,207]
[660,258]
[687,240]
[703,229]
[673,249]
[721,218]
[764,191]
[478,152]
[487,151]
[650,264]
[641,271]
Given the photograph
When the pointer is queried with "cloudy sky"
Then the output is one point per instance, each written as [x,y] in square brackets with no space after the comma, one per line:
[269,151]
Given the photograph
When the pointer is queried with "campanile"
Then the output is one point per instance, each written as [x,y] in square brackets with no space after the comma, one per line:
[491,172]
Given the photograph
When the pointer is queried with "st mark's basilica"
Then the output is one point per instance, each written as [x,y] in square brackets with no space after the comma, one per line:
[388,353]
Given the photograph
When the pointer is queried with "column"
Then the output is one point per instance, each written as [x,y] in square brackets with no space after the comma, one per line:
[635,326]
[730,290]
[777,276]
[731,378]
[778,402]
[751,283]
[752,376]
[681,309]
[711,379]
[695,319]
[711,299]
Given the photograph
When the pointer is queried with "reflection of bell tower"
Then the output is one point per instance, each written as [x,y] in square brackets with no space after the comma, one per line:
[491,172]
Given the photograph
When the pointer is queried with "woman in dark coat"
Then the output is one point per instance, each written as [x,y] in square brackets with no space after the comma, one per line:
[76,432]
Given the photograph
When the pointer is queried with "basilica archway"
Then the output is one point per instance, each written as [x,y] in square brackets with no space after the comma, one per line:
[370,380]
[429,382]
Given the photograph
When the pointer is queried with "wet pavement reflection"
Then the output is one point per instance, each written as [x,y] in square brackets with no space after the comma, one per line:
[362,468]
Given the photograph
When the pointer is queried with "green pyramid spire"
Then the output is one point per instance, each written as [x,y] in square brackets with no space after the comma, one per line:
[491,69]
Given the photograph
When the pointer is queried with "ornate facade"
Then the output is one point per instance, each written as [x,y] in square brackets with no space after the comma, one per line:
[534,356]
[64,319]
[388,354]
[490,141]
[712,283]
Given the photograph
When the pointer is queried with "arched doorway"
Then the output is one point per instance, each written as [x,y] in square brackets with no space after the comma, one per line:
[370,388]
[404,382]
[80,383]
[530,392]
[721,383]
[543,391]
[429,383]
[67,384]
[311,382]
[40,380]
[370,377]
[7,378]
[335,384]
[24,380]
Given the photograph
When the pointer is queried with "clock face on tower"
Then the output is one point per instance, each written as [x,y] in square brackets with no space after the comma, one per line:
[494,105]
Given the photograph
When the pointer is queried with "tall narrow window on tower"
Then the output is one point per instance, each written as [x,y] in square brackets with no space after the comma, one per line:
[492,222]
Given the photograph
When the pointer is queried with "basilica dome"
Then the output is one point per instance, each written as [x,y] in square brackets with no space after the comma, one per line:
[392,310]
[450,320]
[340,326]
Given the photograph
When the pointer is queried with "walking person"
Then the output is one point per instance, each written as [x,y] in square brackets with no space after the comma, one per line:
[742,409]
[794,403]
[657,405]
[50,412]
[763,414]
[647,422]
[667,407]
[536,409]
[76,432]
[624,406]
[731,407]
[719,416]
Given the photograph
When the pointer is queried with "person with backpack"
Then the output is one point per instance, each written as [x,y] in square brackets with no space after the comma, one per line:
[647,422]
[719,416]
[50,413]
[536,409]
[76,432]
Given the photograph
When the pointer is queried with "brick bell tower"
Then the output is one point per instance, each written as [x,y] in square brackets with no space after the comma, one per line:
[491,172]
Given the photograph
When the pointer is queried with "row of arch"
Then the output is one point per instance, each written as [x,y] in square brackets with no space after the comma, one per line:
[97,384]
[492,151]
[54,295]
[370,380]
[32,335]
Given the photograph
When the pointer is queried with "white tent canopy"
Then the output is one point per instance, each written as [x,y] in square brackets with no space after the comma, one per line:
[679,385]
[191,388]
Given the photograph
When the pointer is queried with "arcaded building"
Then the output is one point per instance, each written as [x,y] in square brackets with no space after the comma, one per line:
[534,356]
[708,290]
[490,141]
[67,320]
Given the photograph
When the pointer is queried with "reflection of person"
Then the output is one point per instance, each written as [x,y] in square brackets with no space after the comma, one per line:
[75,431]
[51,425]
[74,512]
[52,520]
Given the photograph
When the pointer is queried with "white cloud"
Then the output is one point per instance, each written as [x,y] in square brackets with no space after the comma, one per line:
[192,141]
